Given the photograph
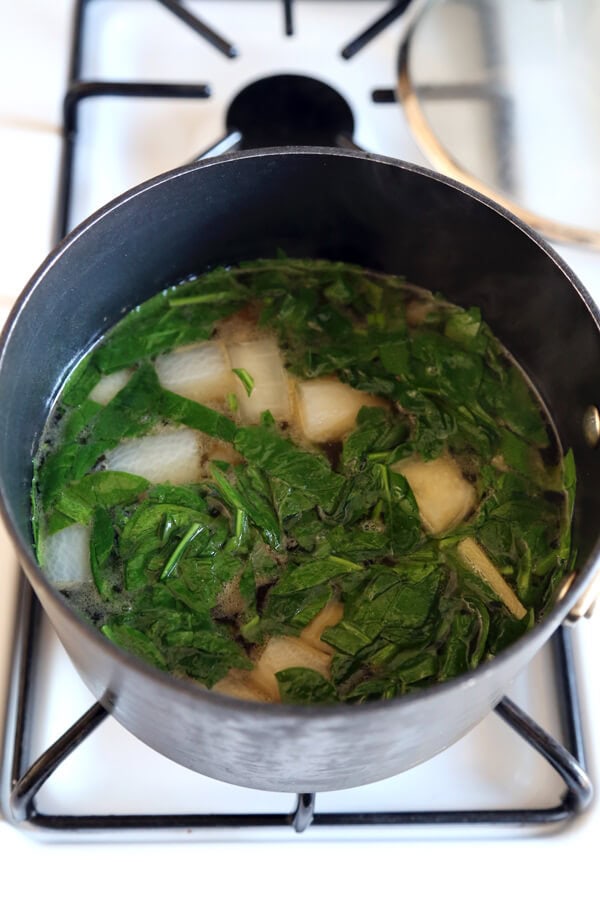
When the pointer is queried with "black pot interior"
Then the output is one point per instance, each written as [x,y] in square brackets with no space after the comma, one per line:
[313,203]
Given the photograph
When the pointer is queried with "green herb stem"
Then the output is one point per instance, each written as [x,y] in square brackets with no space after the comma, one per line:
[175,556]
[229,493]
[246,379]
[378,456]
[240,519]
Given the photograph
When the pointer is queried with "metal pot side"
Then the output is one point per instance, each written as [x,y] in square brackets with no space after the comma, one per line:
[308,202]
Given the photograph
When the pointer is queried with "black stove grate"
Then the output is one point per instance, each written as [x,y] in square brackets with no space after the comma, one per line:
[22,778]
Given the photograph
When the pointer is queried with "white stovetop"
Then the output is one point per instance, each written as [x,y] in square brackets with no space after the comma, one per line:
[33,41]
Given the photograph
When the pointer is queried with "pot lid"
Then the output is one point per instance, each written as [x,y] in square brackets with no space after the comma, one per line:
[504,95]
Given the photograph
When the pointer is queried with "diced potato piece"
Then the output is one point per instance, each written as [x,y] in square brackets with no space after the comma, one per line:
[443,495]
[328,408]
[66,556]
[280,653]
[329,616]
[236,684]
[473,555]
[172,456]
[202,373]
[109,385]
[262,360]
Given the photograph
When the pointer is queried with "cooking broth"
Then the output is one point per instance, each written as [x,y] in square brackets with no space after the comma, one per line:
[303,481]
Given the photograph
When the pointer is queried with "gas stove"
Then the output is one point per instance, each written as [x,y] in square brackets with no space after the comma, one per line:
[145,86]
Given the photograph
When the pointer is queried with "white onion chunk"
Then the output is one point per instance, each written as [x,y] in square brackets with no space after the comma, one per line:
[202,373]
[66,556]
[173,456]
[262,360]
[109,385]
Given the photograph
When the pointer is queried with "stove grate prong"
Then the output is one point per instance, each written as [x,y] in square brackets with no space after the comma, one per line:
[26,788]
[379,25]
[227,144]
[305,811]
[215,40]
[288,6]
[384,95]
[78,91]
[580,790]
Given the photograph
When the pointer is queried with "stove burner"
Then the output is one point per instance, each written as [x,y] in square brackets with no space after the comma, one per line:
[285,110]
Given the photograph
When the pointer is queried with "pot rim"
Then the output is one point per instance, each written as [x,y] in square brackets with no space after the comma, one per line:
[586,579]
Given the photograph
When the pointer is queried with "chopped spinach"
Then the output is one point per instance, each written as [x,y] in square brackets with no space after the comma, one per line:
[302,686]
[280,458]
[195,578]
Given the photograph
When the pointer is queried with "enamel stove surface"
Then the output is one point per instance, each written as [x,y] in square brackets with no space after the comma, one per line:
[121,142]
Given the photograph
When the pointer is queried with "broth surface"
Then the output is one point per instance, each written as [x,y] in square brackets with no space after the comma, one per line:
[302,481]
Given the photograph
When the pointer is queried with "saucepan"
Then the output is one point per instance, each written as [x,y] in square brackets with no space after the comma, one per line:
[337,204]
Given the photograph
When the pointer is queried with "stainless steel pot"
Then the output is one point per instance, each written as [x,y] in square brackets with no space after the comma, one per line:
[346,205]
